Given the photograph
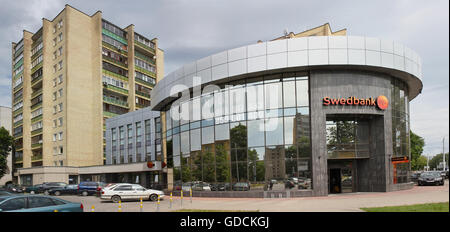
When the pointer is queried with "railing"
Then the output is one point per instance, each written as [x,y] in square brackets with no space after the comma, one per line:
[36,67]
[114,36]
[145,47]
[36,145]
[140,81]
[18,159]
[115,62]
[142,94]
[144,57]
[36,119]
[36,105]
[36,93]
[109,114]
[139,69]
[36,80]
[18,87]
[115,101]
[36,157]
[141,105]
[116,89]
[113,48]
[36,132]
[112,74]
[18,123]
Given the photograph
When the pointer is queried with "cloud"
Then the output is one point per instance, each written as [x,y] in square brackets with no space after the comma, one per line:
[190,30]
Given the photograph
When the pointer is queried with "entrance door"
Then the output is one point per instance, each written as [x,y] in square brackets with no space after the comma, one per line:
[346,180]
[335,180]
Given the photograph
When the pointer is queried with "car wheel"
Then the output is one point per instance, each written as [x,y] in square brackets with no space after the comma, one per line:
[32,192]
[153,197]
[84,193]
[115,199]
[57,193]
[46,192]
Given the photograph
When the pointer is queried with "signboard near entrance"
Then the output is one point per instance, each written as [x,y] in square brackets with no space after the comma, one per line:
[381,101]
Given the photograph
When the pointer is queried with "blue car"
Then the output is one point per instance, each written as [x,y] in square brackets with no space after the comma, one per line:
[36,203]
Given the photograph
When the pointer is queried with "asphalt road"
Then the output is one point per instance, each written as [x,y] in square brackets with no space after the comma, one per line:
[351,202]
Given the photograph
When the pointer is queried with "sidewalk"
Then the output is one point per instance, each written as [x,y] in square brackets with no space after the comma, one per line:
[351,202]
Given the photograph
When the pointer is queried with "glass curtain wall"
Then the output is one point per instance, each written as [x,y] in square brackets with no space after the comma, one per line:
[249,135]
[400,129]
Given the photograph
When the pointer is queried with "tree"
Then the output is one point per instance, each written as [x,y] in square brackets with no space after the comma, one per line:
[420,163]
[436,160]
[6,142]
[417,144]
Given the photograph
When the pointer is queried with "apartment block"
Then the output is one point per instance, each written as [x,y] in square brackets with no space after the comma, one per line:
[71,75]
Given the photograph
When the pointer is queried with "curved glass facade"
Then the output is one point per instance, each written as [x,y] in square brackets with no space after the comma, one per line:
[400,129]
[253,131]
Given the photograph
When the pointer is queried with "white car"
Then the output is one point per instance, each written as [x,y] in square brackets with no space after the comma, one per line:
[121,192]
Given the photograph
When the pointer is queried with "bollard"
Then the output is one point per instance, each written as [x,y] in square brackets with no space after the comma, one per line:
[157,204]
[181,198]
[190,194]
[140,205]
[55,211]
[170,200]
[120,206]
[93,209]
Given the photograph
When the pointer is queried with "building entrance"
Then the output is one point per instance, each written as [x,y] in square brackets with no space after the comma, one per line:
[341,176]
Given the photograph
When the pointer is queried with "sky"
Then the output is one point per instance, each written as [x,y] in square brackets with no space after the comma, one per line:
[190,30]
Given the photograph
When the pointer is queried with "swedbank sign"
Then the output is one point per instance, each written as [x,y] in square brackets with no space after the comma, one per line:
[381,101]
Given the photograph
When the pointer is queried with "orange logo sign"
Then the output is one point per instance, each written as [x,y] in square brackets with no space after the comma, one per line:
[382,102]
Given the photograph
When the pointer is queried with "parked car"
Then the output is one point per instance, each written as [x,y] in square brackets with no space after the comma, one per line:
[46,186]
[289,184]
[200,186]
[34,189]
[415,177]
[13,188]
[241,186]
[304,183]
[293,179]
[430,178]
[5,193]
[220,187]
[121,192]
[89,187]
[70,189]
[37,203]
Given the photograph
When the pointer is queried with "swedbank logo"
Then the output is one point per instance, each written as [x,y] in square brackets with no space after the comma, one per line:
[381,101]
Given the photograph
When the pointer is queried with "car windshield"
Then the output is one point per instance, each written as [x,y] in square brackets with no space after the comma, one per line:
[430,174]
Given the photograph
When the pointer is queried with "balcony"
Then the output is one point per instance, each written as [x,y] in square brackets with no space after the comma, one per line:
[36,93]
[142,94]
[35,68]
[112,74]
[18,123]
[36,132]
[36,119]
[148,73]
[36,105]
[144,47]
[142,82]
[36,158]
[115,62]
[113,48]
[36,145]
[116,89]
[144,57]
[114,101]
[36,80]
[109,114]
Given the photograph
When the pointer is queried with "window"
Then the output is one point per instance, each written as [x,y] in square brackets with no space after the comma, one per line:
[60,37]
[61,150]
[55,151]
[60,65]
[60,79]
[60,92]
[36,202]
[54,96]
[36,126]
[36,113]
[60,136]
[54,82]
[60,24]
[13,204]
[54,42]
[60,105]
[55,109]
[60,121]
[36,61]
[54,123]
[123,188]
[54,137]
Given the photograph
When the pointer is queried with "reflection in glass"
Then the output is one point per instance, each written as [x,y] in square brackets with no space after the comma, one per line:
[256,133]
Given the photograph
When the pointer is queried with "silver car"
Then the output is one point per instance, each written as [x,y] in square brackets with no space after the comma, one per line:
[121,192]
